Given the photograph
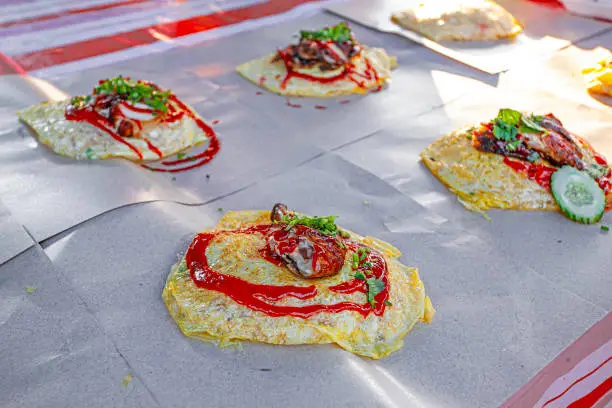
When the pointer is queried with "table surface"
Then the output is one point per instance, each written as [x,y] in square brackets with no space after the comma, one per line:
[85,247]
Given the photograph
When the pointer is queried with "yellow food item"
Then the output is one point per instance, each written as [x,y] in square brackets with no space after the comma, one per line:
[121,117]
[449,20]
[483,180]
[81,140]
[599,77]
[270,74]
[213,316]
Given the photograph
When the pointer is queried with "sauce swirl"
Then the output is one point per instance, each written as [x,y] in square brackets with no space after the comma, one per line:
[176,111]
[258,297]
[349,72]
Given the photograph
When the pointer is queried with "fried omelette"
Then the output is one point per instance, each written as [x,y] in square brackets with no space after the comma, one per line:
[284,278]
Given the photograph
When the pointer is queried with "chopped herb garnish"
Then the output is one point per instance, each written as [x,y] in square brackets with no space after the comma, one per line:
[338,33]
[173,178]
[388,303]
[509,123]
[513,145]
[509,116]
[375,286]
[220,209]
[362,255]
[605,228]
[325,225]
[355,261]
[504,131]
[89,153]
[344,234]
[77,101]
[180,155]
[340,244]
[359,275]
[126,380]
[135,92]
[29,289]
[531,124]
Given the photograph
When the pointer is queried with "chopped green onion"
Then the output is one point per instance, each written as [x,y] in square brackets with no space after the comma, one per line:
[355,260]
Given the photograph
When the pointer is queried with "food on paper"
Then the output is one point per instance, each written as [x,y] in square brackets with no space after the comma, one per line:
[523,162]
[286,278]
[598,78]
[323,63]
[121,118]
[450,20]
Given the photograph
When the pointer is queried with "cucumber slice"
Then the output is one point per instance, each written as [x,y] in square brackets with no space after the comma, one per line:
[578,195]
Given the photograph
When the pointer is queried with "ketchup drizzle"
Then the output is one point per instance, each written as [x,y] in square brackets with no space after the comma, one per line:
[258,296]
[153,148]
[91,116]
[347,73]
[94,118]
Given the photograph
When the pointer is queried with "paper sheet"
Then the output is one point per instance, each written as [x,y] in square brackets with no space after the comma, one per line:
[493,330]
[13,238]
[510,293]
[545,31]
[54,352]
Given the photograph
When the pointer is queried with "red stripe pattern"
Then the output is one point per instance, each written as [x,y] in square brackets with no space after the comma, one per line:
[142,36]
[601,390]
[53,16]
[591,399]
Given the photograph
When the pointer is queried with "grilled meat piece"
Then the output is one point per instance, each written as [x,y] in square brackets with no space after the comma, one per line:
[278,211]
[484,140]
[306,252]
[327,55]
[557,145]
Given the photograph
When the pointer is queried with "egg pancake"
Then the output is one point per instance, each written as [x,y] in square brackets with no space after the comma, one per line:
[487,171]
[325,63]
[449,20]
[599,77]
[117,122]
[338,309]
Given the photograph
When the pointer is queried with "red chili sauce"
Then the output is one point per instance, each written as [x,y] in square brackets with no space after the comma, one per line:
[260,297]
[542,174]
[349,72]
[92,116]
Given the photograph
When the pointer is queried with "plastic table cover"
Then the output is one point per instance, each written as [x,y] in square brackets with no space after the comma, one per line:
[81,317]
